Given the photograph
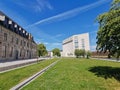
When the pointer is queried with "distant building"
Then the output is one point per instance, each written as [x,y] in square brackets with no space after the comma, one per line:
[15,42]
[80,41]
[50,53]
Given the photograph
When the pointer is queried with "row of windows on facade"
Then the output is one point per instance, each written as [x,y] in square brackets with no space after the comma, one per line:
[16,39]
[11,52]
[77,43]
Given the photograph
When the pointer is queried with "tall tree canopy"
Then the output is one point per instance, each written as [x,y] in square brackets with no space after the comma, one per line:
[56,52]
[108,35]
[41,50]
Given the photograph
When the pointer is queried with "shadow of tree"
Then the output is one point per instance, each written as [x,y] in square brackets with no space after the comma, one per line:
[106,72]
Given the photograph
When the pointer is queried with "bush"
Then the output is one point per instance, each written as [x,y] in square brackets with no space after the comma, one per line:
[82,53]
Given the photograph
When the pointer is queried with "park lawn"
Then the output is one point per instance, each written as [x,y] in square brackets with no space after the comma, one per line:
[79,74]
[12,78]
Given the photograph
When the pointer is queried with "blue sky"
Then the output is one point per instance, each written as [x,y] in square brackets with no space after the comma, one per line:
[51,21]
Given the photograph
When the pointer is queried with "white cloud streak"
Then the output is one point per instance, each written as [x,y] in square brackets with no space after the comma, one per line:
[42,5]
[70,13]
[37,5]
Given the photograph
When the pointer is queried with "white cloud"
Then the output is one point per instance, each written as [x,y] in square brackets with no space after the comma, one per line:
[46,43]
[40,34]
[37,5]
[56,44]
[42,5]
[37,40]
[70,13]
[59,35]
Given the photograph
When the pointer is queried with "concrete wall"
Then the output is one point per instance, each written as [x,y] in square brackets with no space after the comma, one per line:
[69,44]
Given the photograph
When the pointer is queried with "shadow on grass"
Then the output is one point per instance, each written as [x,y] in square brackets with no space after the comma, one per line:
[106,72]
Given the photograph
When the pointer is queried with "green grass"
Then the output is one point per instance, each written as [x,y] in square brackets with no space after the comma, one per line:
[79,74]
[12,78]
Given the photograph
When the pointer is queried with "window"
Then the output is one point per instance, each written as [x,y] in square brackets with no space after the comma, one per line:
[20,53]
[12,40]
[76,42]
[27,44]
[1,30]
[5,36]
[83,43]
[27,53]
[11,51]
[76,45]
[16,40]
[76,38]
[4,51]
[21,43]
[24,43]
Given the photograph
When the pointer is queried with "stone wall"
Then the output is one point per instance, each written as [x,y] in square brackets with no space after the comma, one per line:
[13,46]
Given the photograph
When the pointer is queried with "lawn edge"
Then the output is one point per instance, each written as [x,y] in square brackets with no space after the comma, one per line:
[33,77]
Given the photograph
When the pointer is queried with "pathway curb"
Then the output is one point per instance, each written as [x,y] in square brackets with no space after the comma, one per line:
[30,79]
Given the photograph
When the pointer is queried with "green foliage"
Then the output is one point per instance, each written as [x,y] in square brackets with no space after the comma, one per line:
[108,36]
[14,77]
[56,52]
[83,52]
[79,74]
[88,54]
[79,52]
[41,50]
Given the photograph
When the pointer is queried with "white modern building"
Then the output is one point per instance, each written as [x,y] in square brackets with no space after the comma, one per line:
[80,41]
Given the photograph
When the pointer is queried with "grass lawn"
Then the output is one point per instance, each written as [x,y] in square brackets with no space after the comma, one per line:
[79,74]
[11,78]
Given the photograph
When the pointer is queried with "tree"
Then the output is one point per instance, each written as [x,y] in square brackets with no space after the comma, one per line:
[41,50]
[88,54]
[82,52]
[56,52]
[79,52]
[108,35]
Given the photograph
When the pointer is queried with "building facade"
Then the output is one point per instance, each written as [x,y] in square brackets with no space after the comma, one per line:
[80,41]
[15,42]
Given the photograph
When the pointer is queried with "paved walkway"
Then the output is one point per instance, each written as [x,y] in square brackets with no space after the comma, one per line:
[14,64]
[113,60]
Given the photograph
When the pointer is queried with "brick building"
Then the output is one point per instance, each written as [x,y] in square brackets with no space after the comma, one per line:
[15,42]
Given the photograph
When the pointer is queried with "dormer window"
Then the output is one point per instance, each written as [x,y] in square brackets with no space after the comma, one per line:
[23,31]
[9,22]
[26,33]
[2,18]
[20,29]
[15,26]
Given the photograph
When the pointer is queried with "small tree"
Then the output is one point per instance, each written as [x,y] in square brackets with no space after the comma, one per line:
[88,54]
[56,52]
[82,51]
[41,50]
[77,53]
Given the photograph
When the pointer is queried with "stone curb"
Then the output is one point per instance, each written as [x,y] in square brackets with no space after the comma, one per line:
[13,67]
